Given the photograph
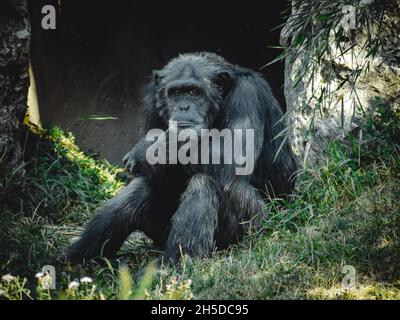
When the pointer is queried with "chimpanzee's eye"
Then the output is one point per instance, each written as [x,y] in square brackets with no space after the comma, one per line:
[174,91]
[194,92]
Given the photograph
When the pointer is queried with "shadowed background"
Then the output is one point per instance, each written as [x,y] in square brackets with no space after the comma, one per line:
[101,55]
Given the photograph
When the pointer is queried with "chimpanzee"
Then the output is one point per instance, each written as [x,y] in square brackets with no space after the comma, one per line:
[195,208]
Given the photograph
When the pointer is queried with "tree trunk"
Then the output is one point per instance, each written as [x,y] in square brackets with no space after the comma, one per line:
[15,35]
[332,99]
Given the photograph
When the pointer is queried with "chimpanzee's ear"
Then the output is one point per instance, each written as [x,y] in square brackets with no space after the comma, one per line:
[157,76]
[224,81]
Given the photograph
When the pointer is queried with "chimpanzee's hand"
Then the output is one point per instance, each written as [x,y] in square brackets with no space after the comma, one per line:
[130,161]
[135,161]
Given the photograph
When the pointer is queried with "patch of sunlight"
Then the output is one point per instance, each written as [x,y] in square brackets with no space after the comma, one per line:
[372,291]
[384,243]
[66,141]
[33,115]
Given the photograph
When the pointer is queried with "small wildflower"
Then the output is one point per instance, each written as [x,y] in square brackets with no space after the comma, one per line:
[73,285]
[8,278]
[86,280]
[39,275]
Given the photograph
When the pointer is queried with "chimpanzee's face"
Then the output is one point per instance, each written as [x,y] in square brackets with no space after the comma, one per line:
[190,94]
[188,104]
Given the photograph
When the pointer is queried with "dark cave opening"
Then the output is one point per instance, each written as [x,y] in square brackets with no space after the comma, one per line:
[101,54]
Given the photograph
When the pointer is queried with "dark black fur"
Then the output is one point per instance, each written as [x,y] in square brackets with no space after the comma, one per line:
[196,208]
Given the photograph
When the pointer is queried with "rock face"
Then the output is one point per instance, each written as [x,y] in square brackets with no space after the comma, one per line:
[361,62]
[14,77]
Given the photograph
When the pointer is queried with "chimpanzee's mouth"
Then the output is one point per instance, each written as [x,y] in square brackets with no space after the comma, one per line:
[186,125]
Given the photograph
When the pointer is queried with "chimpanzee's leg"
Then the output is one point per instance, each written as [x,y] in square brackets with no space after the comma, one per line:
[195,222]
[135,207]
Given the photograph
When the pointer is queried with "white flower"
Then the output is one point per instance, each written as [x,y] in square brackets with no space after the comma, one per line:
[39,275]
[86,280]
[73,285]
[8,278]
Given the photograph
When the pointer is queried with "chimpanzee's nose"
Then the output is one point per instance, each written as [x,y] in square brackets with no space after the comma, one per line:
[184,108]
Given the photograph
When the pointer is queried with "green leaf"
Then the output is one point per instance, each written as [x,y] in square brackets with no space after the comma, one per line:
[97,117]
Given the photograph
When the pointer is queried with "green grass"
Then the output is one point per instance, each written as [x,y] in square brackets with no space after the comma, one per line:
[345,212]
